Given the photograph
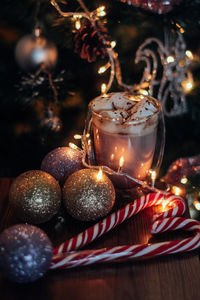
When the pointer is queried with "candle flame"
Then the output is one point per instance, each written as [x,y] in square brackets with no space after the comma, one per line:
[103,88]
[121,162]
[100,174]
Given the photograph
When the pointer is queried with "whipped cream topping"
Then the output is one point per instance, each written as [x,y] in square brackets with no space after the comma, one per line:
[125,113]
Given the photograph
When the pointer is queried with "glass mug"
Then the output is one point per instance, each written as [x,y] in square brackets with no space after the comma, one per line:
[125,134]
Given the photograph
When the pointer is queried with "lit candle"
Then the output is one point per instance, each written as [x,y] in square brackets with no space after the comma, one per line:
[100,175]
[121,163]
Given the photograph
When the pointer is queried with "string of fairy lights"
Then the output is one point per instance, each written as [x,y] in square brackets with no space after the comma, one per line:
[176,80]
[176,62]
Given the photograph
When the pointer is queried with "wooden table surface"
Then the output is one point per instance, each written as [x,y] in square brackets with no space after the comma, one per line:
[171,277]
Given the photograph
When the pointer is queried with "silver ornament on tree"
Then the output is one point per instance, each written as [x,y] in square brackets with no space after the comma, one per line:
[35,50]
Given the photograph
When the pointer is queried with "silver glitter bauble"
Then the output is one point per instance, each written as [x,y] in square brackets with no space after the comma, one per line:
[25,253]
[32,51]
[88,195]
[35,196]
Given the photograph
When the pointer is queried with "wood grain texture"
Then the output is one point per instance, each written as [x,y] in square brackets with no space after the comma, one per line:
[165,278]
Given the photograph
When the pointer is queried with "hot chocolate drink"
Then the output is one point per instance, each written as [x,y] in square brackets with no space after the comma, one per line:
[125,131]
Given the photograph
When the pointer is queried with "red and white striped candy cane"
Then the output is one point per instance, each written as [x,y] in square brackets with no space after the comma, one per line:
[84,258]
[177,205]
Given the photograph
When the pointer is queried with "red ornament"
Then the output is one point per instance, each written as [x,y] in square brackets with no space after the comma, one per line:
[181,168]
[157,6]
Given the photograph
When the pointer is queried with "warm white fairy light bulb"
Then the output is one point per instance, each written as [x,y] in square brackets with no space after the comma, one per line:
[73,146]
[104,68]
[143,92]
[113,44]
[189,54]
[184,180]
[176,190]
[77,24]
[170,59]
[197,205]
[187,85]
[101,11]
[77,137]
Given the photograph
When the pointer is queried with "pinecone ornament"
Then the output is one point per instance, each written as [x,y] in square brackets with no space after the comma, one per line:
[91,41]
[157,6]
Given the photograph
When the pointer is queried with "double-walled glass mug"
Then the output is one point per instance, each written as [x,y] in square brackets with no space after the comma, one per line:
[125,134]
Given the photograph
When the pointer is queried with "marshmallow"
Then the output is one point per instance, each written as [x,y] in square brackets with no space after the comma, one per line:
[125,113]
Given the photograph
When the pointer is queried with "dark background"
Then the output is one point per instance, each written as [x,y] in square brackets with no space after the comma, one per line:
[24,140]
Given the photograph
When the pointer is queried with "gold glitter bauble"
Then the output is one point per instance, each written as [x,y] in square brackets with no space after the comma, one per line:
[88,195]
[35,196]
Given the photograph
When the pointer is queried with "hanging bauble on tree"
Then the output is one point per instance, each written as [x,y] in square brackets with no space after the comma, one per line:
[157,6]
[25,253]
[62,162]
[35,196]
[51,121]
[88,195]
[34,50]
[91,41]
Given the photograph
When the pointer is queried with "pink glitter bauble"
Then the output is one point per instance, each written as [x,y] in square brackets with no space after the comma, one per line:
[62,162]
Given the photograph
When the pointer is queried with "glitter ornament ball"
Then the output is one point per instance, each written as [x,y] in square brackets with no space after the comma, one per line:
[88,195]
[34,50]
[35,196]
[25,253]
[62,162]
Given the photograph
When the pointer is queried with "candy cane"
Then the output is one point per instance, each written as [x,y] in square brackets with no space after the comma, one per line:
[88,257]
[177,205]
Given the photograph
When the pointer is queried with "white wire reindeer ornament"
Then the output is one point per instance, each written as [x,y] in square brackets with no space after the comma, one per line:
[166,67]
[165,85]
